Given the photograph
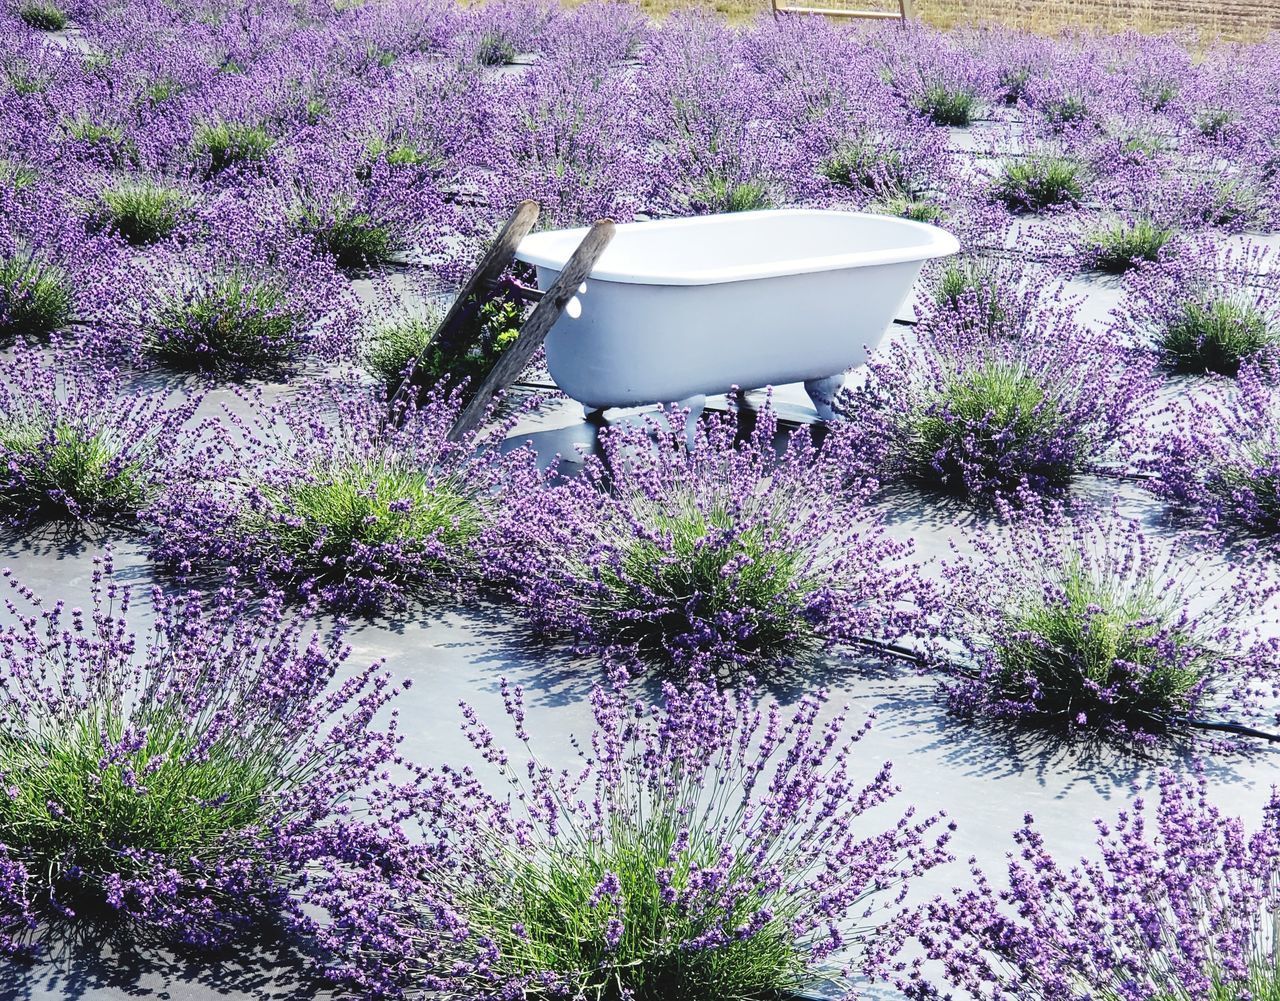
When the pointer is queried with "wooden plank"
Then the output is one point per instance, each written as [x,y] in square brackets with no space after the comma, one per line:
[453,337]
[516,358]
[872,15]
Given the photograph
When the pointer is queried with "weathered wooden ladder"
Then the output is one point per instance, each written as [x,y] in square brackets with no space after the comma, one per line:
[455,335]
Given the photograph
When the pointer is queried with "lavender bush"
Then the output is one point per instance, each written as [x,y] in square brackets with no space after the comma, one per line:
[36,298]
[1116,246]
[1175,906]
[726,553]
[1221,457]
[172,782]
[1091,626]
[968,409]
[142,211]
[74,446]
[1207,311]
[329,495]
[707,847]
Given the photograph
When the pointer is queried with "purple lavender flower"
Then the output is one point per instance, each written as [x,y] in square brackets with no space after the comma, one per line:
[332,495]
[75,445]
[710,846]
[178,781]
[1220,454]
[1179,904]
[727,553]
[1091,626]
[965,407]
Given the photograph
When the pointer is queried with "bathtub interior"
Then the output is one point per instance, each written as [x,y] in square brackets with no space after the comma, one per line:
[744,246]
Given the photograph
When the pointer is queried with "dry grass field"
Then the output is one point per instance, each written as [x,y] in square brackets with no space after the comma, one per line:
[1227,19]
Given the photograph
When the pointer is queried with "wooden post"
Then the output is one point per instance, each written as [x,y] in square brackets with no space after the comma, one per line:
[453,337]
[516,358]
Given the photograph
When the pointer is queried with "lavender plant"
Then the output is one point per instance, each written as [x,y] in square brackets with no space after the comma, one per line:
[399,347]
[946,105]
[36,298]
[1220,457]
[725,554]
[1117,246]
[972,411]
[341,229]
[1093,627]
[709,847]
[1039,181]
[217,145]
[43,15]
[1206,311]
[871,165]
[171,783]
[143,211]
[232,324]
[1175,906]
[327,496]
[74,447]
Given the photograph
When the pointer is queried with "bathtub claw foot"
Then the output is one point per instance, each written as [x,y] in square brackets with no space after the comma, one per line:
[593,415]
[692,408]
[822,392]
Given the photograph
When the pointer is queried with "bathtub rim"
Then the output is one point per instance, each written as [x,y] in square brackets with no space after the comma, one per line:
[940,243]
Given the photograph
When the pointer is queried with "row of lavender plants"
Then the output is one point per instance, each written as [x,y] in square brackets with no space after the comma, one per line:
[193,187]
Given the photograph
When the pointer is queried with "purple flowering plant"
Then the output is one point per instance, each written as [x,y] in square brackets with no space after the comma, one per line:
[994,396]
[76,446]
[331,495]
[727,553]
[1219,456]
[705,846]
[1090,626]
[1178,904]
[173,783]
[1208,310]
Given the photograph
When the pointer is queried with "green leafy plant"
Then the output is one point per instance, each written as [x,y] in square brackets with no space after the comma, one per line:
[1069,109]
[234,324]
[43,15]
[55,466]
[353,238]
[1117,246]
[1216,334]
[35,298]
[943,105]
[1039,181]
[494,49]
[404,339]
[1100,647]
[870,165]
[1212,122]
[143,211]
[707,558]
[374,504]
[906,206]
[721,194]
[219,145]
[17,176]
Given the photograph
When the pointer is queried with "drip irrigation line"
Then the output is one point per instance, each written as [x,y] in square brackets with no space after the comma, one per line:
[1238,729]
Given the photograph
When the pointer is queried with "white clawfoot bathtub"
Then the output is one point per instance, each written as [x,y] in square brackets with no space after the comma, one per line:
[679,309]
